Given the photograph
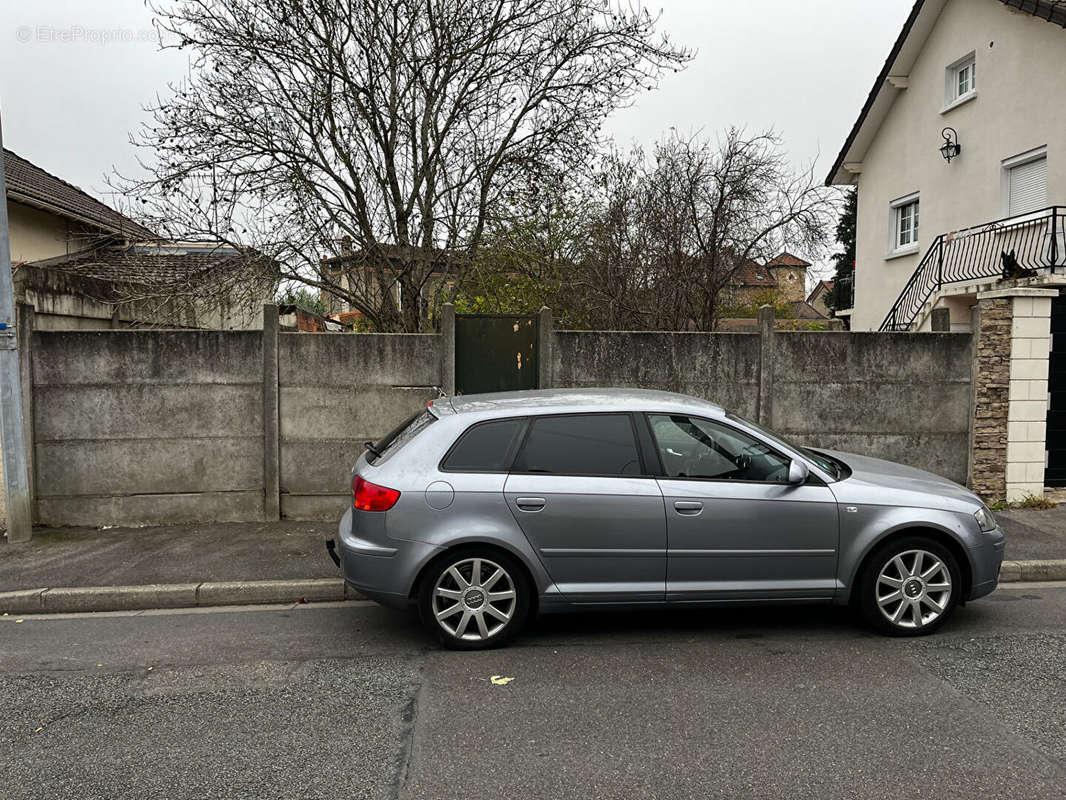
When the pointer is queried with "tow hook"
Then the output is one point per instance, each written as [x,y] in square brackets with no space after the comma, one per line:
[331,548]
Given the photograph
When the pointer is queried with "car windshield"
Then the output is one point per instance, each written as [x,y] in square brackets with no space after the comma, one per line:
[823,461]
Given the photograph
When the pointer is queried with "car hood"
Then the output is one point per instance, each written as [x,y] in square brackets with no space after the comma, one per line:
[874,480]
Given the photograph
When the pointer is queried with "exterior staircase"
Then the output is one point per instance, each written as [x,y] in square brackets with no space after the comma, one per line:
[1022,249]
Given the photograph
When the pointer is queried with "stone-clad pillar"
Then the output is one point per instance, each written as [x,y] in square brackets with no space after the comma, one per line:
[1010,393]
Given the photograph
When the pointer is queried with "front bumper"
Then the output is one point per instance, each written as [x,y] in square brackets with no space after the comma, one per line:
[384,573]
[987,558]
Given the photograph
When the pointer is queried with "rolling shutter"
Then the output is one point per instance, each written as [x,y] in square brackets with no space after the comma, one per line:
[1028,187]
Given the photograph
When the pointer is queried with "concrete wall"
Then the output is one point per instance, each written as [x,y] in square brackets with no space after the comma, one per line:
[63,301]
[139,427]
[143,427]
[1017,108]
[336,392]
[723,367]
[905,397]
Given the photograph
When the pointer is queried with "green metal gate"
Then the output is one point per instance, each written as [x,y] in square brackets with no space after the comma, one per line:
[495,353]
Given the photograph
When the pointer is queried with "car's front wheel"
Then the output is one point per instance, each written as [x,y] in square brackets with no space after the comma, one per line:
[909,587]
[474,599]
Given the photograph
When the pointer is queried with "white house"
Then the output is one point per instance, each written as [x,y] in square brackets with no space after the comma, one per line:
[959,159]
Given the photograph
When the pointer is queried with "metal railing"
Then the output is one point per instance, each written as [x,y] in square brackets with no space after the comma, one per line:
[1010,247]
[844,292]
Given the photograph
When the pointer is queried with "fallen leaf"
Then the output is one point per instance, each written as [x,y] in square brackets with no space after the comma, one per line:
[500,680]
[39,729]
[18,621]
[99,665]
[150,669]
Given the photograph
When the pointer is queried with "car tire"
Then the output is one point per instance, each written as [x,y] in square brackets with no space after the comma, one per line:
[468,611]
[908,587]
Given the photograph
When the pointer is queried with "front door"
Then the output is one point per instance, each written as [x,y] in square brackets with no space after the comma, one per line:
[736,528]
[580,493]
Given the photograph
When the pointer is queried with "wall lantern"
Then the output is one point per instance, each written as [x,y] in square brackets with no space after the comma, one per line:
[951,146]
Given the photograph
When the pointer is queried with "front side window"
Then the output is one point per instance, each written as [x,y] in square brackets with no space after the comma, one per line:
[906,217]
[486,447]
[962,80]
[691,447]
[1026,185]
[587,444]
[965,79]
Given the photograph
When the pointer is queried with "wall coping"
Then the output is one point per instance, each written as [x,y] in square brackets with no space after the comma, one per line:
[1019,291]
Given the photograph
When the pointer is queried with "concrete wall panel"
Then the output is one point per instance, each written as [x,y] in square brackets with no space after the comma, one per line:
[153,509]
[723,368]
[148,466]
[146,411]
[386,359]
[125,357]
[355,412]
[316,507]
[323,465]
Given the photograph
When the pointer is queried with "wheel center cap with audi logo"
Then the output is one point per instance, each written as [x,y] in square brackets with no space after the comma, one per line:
[913,588]
[475,598]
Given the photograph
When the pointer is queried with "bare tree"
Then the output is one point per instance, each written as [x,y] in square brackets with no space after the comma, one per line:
[674,230]
[365,145]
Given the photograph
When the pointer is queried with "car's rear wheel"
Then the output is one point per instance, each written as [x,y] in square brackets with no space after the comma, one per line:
[475,598]
[909,587]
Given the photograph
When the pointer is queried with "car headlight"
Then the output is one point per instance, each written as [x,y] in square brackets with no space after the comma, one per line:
[985,519]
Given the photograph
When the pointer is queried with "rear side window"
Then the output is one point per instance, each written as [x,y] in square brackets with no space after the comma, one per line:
[402,434]
[486,447]
[589,444]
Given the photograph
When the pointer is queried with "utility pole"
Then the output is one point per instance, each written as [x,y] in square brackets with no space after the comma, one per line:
[16,474]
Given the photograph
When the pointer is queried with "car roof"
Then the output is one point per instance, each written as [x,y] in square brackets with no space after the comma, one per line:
[555,401]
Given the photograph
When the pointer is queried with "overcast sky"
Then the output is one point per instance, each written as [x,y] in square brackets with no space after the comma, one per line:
[74,75]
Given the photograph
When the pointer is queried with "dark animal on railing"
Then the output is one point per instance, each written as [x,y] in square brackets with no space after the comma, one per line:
[1012,270]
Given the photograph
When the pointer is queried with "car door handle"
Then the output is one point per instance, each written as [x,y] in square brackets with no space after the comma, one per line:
[689,508]
[529,503]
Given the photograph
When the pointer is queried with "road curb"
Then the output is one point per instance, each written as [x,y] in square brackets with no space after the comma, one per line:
[173,595]
[236,593]
[1045,569]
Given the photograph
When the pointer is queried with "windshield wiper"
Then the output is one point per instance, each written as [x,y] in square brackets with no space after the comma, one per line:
[373,450]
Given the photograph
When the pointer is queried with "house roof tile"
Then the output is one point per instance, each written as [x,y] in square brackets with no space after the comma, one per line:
[159,265]
[786,259]
[29,184]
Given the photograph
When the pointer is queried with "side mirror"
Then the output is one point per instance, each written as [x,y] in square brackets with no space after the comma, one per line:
[798,472]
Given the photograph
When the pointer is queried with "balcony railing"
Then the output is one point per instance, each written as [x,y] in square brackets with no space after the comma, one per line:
[1005,248]
[844,292]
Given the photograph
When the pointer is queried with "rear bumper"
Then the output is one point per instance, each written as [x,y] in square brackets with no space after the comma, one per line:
[986,559]
[384,573]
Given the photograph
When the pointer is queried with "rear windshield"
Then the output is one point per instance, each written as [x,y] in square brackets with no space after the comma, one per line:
[400,435]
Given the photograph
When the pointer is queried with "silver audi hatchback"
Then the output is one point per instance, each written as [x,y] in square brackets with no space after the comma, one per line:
[483,510]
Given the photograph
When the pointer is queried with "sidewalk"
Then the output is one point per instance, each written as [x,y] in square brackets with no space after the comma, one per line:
[225,551]
[173,566]
[86,569]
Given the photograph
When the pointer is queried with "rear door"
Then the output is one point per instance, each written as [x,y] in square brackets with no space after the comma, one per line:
[584,499]
[737,528]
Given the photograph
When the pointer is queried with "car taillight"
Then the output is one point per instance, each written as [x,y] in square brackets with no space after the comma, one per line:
[367,496]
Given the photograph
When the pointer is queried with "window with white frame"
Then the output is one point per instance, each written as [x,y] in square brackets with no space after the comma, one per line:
[1025,182]
[961,80]
[904,219]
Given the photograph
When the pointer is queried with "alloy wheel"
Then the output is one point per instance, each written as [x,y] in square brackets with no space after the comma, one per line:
[474,599]
[913,589]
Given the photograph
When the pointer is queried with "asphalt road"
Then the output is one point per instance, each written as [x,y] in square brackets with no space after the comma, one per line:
[352,701]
